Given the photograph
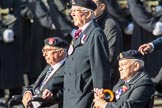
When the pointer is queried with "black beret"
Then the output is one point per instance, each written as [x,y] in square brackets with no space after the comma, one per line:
[130,54]
[56,42]
[85,3]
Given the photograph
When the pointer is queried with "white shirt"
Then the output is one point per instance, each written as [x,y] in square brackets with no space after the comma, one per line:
[85,26]
[55,67]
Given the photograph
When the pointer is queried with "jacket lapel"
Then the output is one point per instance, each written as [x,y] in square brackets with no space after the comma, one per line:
[89,29]
[77,41]
[57,73]
[41,77]
[127,86]
[86,32]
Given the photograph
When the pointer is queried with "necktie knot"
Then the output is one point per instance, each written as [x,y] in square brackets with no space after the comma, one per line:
[48,73]
[50,70]
[77,33]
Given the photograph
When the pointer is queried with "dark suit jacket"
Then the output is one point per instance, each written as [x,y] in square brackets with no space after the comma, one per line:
[138,94]
[86,68]
[55,81]
[157,43]
[158,46]
[114,37]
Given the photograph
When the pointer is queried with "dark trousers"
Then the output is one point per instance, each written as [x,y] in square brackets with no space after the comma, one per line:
[2,93]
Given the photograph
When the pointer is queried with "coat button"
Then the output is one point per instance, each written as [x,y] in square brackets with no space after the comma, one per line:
[68,90]
[69,74]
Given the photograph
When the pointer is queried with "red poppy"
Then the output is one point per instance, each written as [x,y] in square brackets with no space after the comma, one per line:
[125,88]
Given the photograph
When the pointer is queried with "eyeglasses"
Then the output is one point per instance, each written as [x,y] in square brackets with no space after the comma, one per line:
[49,50]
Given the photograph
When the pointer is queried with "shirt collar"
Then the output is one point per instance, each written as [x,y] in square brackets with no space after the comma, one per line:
[85,26]
[134,77]
[58,64]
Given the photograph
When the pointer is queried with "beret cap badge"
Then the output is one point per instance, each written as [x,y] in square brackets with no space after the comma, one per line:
[130,54]
[51,41]
[56,42]
[120,55]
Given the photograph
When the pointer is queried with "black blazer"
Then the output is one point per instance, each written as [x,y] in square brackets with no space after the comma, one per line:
[56,79]
[55,82]
[157,43]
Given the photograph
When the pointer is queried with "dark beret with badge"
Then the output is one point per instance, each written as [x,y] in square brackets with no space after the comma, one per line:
[89,4]
[130,54]
[56,42]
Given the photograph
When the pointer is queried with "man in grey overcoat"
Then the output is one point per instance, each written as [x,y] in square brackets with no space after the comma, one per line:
[88,64]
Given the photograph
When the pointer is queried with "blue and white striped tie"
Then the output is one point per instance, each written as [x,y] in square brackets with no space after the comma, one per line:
[46,77]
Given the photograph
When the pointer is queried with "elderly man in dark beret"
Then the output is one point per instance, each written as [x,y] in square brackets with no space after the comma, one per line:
[134,88]
[54,52]
[87,65]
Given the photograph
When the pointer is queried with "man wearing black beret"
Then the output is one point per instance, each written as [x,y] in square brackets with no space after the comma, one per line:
[87,65]
[54,52]
[134,89]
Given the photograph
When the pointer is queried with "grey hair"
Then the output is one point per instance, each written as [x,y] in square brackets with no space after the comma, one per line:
[89,10]
[65,50]
[141,62]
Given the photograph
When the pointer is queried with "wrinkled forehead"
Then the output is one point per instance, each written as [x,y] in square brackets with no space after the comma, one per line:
[124,60]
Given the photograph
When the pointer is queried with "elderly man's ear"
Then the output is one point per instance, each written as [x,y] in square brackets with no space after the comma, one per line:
[137,66]
[102,6]
[88,15]
[61,51]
